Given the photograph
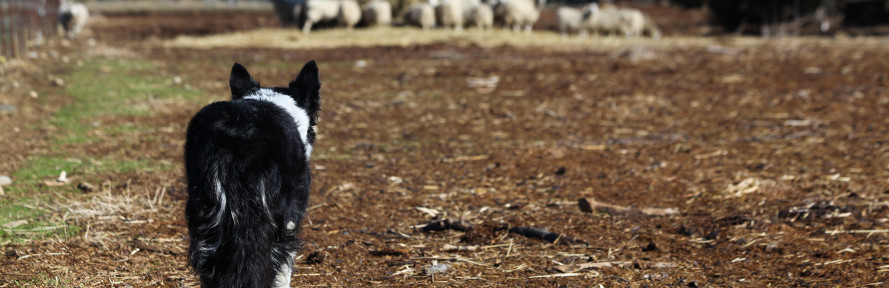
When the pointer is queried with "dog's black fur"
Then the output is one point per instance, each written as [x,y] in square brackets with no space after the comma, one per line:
[248,182]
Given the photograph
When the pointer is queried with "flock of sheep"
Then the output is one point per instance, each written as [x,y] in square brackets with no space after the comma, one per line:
[609,20]
[511,14]
[517,15]
[483,14]
[436,13]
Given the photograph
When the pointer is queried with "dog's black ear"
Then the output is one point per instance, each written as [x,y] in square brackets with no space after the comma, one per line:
[241,82]
[308,87]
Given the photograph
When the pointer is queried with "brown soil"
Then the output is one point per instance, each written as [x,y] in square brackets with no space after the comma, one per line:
[773,153]
[140,25]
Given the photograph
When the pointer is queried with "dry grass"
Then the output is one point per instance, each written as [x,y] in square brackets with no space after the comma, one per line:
[166,6]
[407,36]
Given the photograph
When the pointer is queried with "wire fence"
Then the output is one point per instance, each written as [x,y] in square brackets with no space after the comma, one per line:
[24,22]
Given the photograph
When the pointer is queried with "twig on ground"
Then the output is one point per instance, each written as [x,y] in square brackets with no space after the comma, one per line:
[567,275]
[589,205]
[544,234]
[611,264]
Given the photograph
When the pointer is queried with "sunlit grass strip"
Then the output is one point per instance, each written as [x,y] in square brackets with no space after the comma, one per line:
[108,88]
[101,89]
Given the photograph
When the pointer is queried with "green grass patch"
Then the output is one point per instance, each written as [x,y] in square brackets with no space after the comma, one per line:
[42,168]
[109,88]
[44,280]
[25,198]
[108,98]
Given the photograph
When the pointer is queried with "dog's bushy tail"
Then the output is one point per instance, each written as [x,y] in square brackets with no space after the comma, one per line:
[235,245]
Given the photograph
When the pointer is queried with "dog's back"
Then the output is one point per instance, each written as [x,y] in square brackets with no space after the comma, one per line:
[248,180]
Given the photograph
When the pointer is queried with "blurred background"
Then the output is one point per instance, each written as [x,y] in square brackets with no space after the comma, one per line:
[31,21]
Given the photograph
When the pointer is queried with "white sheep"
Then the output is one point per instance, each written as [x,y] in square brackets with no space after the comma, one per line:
[569,19]
[519,13]
[349,13]
[421,15]
[632,21]
[598,21]
[377,13]
[450,14]
[72,17]
[620,21]
[320,11]
[481,16]
[468,7]
[345,12]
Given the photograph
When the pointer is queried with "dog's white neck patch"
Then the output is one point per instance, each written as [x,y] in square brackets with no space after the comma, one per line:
[300,116]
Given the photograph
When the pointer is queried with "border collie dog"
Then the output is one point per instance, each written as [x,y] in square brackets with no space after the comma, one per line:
[247,164]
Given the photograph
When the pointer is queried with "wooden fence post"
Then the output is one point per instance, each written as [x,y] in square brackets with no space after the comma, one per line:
[22,21]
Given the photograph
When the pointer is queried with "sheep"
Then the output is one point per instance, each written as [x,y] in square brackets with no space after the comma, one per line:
[612,20]
[349,13]
[421,15]
[320,10]
[450,14]
[519,13]
[468,6]
[345,12]
[72,17]
[632,21]
[377,13]
[597,20]
[569,19]
[482,16]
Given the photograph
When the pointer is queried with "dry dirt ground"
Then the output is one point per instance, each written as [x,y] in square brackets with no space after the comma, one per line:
[771,159]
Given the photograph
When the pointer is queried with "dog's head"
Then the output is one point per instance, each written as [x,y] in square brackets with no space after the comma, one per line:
[304,89]
[301,99]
